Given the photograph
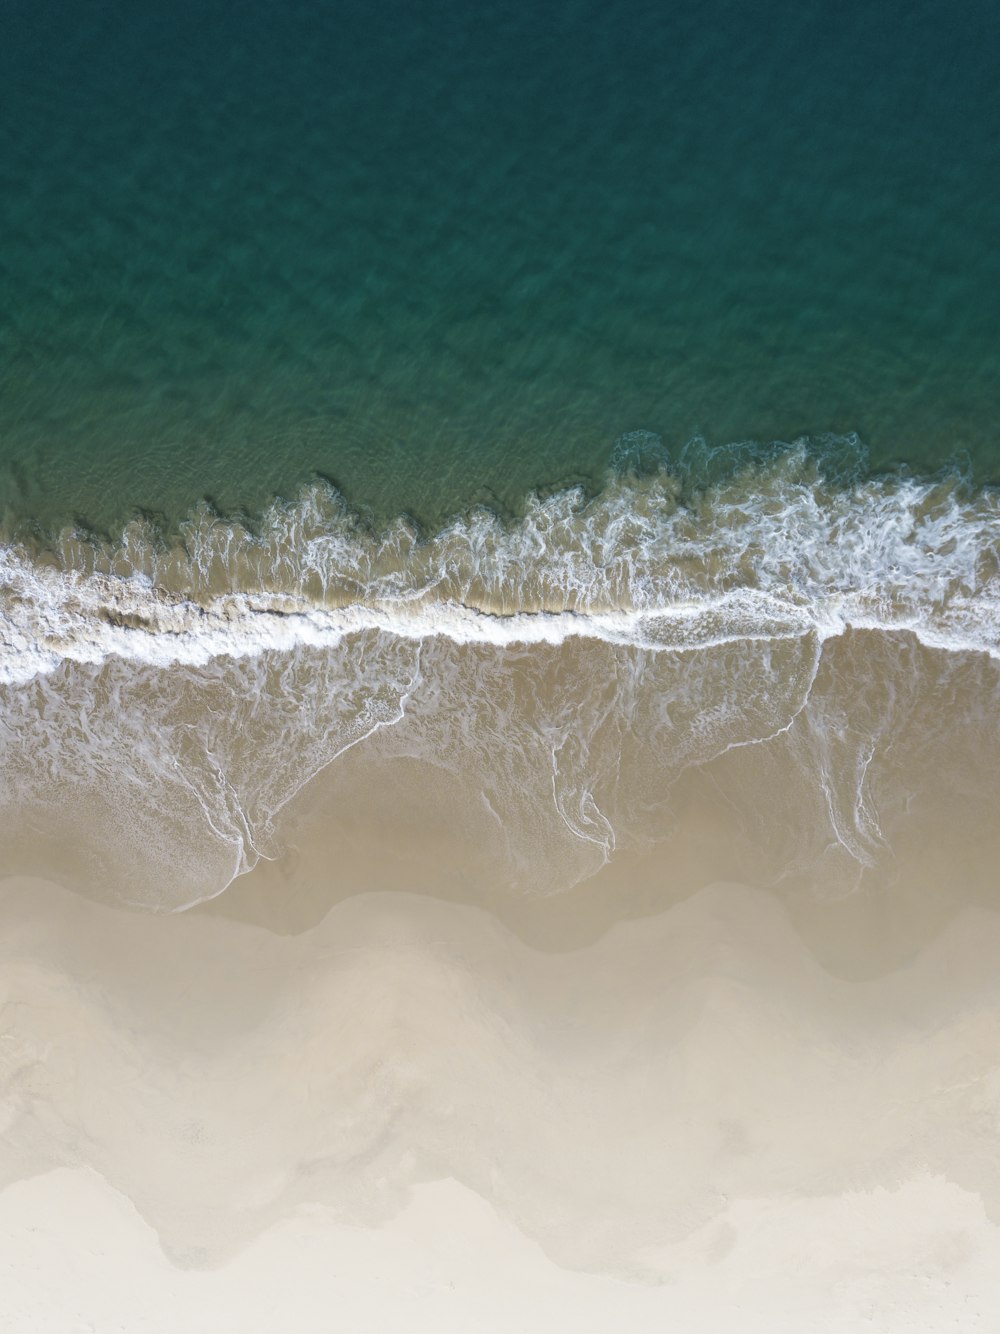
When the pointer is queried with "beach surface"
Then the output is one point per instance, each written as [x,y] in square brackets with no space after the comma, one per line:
[660,1101]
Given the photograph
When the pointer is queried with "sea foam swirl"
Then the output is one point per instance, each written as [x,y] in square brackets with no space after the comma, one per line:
[543,684]
[773,552]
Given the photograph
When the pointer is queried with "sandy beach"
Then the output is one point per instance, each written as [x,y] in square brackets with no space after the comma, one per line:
[387,1110]
[553,1004]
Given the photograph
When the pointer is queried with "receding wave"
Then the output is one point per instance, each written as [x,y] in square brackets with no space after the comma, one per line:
[160,703]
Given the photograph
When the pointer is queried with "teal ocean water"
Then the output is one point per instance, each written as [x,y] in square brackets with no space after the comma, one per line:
[446,254]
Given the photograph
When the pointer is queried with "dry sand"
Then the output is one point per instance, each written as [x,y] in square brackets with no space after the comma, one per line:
[403,1113]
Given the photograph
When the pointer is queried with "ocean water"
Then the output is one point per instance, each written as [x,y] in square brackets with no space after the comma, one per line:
[445,254]
[547,396]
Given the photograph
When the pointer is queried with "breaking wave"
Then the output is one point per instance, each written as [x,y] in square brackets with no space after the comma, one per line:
[161,702]
[768,554]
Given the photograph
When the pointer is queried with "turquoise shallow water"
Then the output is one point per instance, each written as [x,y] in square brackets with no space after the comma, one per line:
[446,254]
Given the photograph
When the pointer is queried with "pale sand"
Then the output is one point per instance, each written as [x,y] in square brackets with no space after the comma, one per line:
[923,1258]
[408,1117]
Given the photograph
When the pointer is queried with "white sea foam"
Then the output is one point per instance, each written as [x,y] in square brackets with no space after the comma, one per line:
[160,704]
[772,553]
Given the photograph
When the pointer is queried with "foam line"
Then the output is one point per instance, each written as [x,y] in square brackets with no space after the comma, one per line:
[771,554]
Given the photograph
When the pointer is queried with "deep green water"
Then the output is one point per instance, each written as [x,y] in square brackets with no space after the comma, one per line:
[443,254]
